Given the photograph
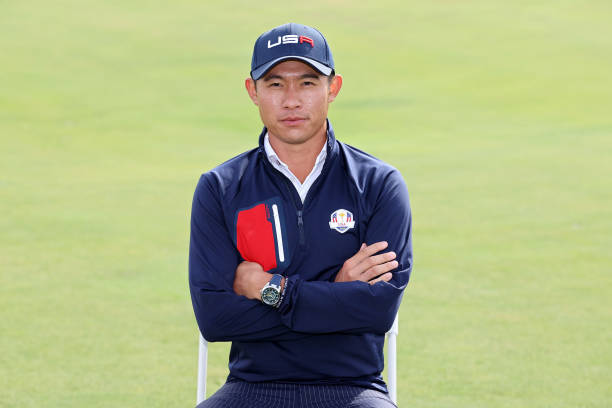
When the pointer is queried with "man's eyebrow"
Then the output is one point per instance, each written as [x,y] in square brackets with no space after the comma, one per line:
[271,77]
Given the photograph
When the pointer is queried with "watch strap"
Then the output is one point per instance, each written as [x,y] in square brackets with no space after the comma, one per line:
[276,280]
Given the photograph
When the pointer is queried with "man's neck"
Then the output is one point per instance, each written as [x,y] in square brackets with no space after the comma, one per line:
[300,158]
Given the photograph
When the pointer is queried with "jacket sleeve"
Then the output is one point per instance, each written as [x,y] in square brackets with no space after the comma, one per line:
[222,315]
[356,307]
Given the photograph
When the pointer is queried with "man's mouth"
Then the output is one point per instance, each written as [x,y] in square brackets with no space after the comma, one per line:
[293,120]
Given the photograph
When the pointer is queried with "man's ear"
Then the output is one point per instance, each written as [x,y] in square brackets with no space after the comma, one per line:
[334,87]
[249,84]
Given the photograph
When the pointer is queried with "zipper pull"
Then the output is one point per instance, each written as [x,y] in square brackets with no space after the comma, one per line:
[301,227]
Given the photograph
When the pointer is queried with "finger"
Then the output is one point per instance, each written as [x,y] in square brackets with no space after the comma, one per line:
[379,259]
[383,278]
[379,270]
[372,261]
[368,250]
[375,247]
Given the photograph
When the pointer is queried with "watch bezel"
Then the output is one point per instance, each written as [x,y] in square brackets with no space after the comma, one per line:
[270,295]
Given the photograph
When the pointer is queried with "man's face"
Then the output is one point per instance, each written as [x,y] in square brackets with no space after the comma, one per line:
[293,99]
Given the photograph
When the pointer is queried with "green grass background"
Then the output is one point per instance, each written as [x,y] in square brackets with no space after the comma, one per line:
[497,113]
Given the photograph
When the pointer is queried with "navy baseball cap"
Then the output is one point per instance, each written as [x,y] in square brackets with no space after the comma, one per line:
[291,42]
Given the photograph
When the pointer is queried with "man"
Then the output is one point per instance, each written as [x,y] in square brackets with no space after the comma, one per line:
[301,248]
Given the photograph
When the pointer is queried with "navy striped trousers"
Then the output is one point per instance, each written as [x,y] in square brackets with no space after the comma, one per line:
[242,394]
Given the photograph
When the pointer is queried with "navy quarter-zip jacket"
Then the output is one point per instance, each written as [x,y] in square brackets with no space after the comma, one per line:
[322,331]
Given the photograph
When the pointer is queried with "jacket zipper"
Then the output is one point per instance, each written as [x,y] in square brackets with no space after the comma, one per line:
[299,210]
[301,227]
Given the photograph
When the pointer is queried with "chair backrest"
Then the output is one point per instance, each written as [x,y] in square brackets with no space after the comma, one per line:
[391,364]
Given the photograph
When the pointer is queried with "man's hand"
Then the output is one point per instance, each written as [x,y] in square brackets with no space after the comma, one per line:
[366,266]
[250,279]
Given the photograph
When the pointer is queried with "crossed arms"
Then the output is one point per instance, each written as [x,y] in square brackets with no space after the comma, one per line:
[365,266]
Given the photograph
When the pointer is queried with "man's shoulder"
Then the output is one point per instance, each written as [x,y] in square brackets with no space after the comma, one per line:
[230,172]
[366,169]
[376,181]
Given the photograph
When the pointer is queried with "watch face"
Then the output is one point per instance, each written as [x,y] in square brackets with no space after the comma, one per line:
[270,296]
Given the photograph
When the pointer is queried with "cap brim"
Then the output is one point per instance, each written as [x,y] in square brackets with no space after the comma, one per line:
[260,71]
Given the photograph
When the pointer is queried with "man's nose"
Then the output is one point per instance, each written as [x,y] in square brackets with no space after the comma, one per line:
[292,97]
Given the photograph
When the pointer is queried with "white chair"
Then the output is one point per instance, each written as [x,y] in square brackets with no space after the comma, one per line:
[391,364]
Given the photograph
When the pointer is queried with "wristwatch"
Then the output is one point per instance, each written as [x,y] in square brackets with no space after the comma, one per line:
[271,293]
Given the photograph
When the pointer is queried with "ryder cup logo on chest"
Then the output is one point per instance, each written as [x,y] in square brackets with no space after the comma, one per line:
[342,220]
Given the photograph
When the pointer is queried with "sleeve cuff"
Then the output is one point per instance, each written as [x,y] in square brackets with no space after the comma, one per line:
[289,292]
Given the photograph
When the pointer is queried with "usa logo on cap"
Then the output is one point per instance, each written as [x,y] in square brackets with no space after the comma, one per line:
[342,220]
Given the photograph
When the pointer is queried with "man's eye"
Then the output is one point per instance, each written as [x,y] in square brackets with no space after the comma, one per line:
[308,83]
[274,84]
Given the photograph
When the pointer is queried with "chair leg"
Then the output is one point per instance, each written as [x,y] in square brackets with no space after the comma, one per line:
[202,363]
[392,360]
